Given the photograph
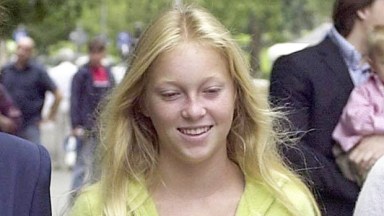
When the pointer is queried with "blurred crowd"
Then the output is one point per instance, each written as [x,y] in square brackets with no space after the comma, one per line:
[54,104]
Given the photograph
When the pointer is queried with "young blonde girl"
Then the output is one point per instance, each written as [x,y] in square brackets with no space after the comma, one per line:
[133,148]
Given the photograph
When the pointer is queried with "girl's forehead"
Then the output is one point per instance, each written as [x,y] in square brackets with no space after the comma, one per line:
[189,49]
[188,61]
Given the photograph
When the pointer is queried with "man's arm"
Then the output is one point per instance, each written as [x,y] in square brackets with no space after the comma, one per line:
[367,152]
[76,105]
[56,103]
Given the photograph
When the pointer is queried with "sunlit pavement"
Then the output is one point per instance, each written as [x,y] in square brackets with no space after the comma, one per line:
[52,139]
[60,185]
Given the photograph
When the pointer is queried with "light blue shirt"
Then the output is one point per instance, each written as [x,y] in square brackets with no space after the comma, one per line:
[358,70]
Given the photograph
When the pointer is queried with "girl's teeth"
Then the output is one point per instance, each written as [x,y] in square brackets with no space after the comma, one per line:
[194,131]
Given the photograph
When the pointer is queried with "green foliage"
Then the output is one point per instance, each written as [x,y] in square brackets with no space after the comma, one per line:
[243,40]
[47,21]
[55,48]
[256,23]
[265,63]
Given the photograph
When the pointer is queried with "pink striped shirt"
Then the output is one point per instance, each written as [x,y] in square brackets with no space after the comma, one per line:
[362,115]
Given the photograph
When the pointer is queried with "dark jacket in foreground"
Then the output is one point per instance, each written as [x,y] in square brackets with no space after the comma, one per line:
[25,175]
[314,85]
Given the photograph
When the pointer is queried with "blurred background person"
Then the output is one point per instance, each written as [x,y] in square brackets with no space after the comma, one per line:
[27,82]
[55,134]
[90,85]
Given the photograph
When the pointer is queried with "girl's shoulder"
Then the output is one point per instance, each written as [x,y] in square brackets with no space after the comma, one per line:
[260,200]
[88,202]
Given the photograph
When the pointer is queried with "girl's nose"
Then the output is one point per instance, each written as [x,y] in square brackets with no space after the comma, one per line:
[193,110]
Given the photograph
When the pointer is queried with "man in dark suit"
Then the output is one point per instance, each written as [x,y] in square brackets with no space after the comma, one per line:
[25,175]
[313,85]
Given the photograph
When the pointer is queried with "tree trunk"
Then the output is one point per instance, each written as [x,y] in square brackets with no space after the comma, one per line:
[255,46]
[3,52]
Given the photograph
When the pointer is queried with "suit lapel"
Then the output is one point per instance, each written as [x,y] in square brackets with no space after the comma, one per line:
[332,58]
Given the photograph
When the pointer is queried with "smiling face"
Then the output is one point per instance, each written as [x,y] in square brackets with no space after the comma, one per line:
[190,100]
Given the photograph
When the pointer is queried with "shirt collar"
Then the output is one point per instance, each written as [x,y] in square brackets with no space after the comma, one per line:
[352,57]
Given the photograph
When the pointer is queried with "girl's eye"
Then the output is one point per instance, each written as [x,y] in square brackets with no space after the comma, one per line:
[169,95]
[212,90]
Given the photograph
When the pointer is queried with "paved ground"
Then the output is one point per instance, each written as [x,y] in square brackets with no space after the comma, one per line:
[60,185]
[52,138]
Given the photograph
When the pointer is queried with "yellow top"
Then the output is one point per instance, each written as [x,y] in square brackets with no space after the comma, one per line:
[256,200]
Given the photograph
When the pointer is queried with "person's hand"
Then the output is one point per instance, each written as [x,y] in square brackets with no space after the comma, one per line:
[367,152]
[50,118]
[45,121]
[6,124]
[78,132]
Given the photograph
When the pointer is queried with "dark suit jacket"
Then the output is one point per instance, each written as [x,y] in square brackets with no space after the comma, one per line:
[25,175]
[314,85]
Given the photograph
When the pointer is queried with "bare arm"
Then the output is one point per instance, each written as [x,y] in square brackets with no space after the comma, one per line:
[367,152]
[55,106]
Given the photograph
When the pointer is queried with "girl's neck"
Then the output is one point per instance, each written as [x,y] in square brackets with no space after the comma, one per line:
[198,180]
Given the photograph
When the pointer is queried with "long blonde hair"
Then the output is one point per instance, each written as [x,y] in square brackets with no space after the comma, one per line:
[129,144]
